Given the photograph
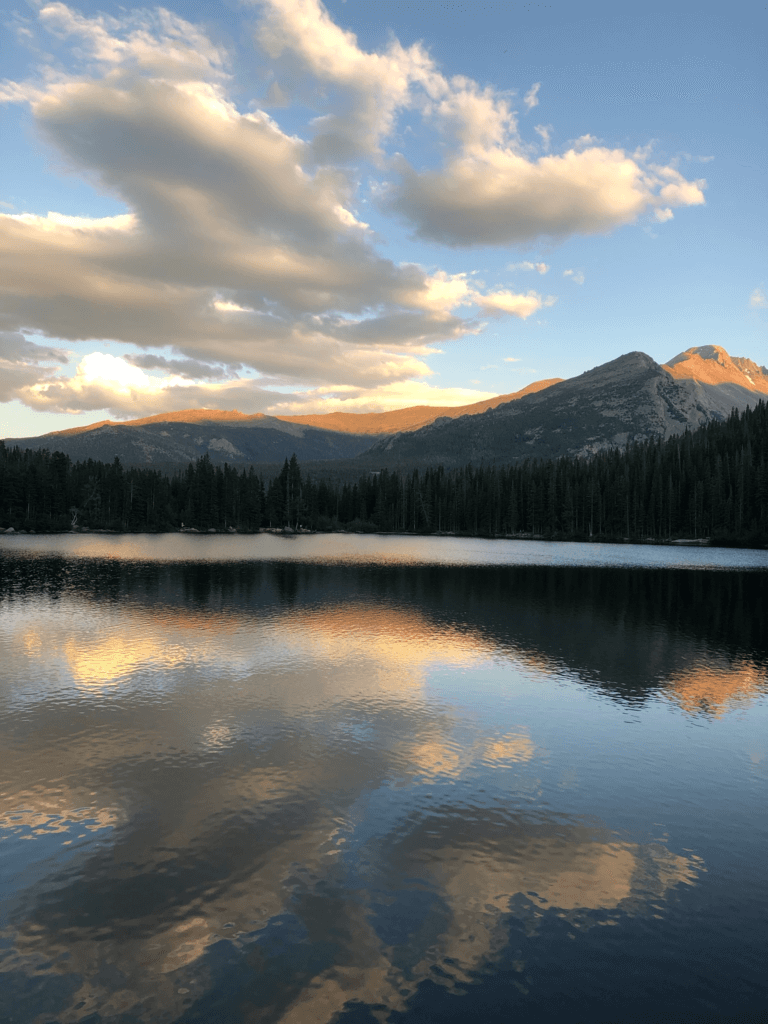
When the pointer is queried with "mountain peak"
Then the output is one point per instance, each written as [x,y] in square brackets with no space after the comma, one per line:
[711,364]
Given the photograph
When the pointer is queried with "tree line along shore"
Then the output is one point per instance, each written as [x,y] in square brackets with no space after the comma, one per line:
[708,484]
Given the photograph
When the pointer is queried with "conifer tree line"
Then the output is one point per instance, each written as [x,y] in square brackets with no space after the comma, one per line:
[709,483]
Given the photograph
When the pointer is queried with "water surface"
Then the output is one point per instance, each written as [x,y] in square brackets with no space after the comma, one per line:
[350,778]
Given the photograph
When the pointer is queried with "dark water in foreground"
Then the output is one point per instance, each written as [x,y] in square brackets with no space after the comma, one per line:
[381,779]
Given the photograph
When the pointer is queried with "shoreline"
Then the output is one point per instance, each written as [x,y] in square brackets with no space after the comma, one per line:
[290,533]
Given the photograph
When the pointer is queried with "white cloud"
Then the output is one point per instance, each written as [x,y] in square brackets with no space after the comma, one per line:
[153,42]
[544,131]
[540,268]
[522,306]
[300,36]
[758,299]
[383,399]
[104,381]
[230,307]
[511,359]
[241,246]
[531,98]
[488,191]
[118,384]
[497,196]
[577,276]
[237,248]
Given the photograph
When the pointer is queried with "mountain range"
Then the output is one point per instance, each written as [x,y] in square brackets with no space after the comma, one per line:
[629,398]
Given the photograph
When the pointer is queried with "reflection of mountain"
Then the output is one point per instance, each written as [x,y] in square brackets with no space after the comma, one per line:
[632,632]
[263,798]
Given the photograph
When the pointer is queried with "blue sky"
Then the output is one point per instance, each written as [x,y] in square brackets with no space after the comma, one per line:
[289,207]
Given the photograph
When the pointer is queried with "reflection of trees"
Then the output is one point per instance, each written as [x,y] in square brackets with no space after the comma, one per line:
[225,812]
[286,580]
[623,629]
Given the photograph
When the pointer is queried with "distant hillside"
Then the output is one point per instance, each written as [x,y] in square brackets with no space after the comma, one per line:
[631,398]
[412,418]
[176,438]
[170,439]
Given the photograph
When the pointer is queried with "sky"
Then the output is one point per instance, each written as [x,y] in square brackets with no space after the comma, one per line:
[289,207]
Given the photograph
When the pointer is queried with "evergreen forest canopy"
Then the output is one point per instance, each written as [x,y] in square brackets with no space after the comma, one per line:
[712,483]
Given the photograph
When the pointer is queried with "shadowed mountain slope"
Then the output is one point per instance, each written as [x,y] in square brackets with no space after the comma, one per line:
[180,438]
[176,438]
[629,398]
[412,418]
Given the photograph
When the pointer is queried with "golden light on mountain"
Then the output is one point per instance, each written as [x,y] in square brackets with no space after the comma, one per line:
[711,364]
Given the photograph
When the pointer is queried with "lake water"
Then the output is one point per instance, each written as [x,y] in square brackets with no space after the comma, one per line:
[356,779]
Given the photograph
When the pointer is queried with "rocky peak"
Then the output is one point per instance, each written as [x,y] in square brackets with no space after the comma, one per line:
[711,364]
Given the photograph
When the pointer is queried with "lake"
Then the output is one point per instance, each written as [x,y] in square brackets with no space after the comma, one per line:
[356,779]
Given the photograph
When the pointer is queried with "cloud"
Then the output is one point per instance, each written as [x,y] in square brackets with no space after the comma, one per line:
[152,42]
[758,299]
[104,381]
[241,244]
[488,191]
[386,398]
[495,195]
[237,248]
[531,98]
[23,362]
[302,39]
[190,368]
[577,276]
[121,385]
[511,359]
[544,131]
[540,268]
[522,306]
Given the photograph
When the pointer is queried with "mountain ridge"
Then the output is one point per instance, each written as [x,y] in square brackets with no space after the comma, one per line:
[628,398]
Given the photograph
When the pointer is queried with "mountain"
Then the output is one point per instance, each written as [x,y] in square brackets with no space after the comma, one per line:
[629,398]
[711,364]
[400,420]
[177,438]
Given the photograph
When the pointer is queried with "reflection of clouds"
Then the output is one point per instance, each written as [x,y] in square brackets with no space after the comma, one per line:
[576,871]
[430,757]
[102,646]
[254,773]
[40,812]
[477,871]
[573,873]
[715,686]
[95,663]
[515,747]
[433,753]
[393,637]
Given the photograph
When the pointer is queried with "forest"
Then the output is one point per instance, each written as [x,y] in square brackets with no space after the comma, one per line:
[711,483]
